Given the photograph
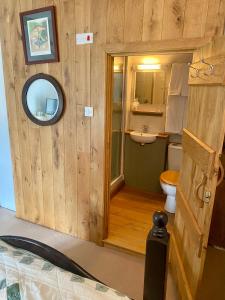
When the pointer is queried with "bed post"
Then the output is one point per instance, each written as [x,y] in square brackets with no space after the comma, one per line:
[157,246]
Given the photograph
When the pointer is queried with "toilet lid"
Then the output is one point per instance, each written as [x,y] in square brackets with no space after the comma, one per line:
[170,177]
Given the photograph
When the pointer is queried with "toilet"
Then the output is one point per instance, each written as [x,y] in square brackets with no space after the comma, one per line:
[169,178]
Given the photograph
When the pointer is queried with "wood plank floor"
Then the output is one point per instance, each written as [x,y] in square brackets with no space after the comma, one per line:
[130,218]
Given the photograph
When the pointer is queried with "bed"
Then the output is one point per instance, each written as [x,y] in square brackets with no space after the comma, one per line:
[31,270]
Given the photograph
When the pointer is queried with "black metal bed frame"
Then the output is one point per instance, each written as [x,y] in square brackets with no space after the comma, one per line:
[155,261]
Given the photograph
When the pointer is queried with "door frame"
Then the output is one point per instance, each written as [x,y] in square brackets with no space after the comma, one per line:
[123,122]
[128,49]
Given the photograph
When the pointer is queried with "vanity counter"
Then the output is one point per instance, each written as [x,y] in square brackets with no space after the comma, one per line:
[159,135]
[143,164]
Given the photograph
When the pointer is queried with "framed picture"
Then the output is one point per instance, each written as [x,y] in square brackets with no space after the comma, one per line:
[39,35]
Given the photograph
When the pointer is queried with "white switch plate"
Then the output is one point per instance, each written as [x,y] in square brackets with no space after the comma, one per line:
[84,38]
[88,111]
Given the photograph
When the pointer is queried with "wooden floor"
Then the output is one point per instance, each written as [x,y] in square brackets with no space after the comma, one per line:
[130,218]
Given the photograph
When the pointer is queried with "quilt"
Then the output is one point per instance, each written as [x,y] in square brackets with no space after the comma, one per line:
[25,276]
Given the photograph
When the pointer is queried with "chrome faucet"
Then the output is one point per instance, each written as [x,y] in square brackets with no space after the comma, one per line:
[145,128]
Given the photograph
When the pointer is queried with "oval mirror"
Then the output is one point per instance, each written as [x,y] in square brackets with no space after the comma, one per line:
[42,99]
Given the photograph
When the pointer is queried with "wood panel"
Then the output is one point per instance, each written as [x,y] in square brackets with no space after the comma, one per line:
[133,24]
[178,269]
[199,152]
[206,74]
[203,141]
[173,19]
[157,46]
[189,218]
[82,91]
[212,25]
[195,18]
[59,170]
[97,94]
[115,21]
[152,20]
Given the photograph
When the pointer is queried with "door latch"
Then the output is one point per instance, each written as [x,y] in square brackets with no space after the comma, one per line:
[207,197]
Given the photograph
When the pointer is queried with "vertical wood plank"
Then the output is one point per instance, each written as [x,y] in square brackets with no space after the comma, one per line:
[153,20]
[59,144]
[70,137]
[212,19]
[221,28]
[133,26]
[38,3]
[115,21]
[36,173]
[98,59]
[45,147]
[82,84]
[29,199]
[67,30]
[195,18]
[83,176]
[173,19]
[47,177]
[58,176]
[35,145]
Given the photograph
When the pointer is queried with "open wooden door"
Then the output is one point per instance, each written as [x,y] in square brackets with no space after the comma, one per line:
[202,145]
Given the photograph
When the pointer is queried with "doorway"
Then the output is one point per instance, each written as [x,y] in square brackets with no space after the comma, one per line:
[188,247]
[141,89]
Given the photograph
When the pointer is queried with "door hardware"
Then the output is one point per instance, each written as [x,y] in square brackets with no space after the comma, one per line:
[201,184]
[207,197]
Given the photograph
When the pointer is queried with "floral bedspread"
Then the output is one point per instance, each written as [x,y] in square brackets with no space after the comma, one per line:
[25,276]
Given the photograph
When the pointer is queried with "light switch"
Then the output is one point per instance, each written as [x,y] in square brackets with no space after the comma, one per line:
[84,38]
[88,111]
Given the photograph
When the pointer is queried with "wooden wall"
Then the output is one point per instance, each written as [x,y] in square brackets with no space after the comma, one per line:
[59,170]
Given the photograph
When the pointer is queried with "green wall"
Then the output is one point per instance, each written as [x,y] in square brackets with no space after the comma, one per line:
[144,164]
[116,154]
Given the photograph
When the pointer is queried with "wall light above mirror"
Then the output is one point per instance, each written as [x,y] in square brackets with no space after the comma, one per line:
[42,99]
[147,67]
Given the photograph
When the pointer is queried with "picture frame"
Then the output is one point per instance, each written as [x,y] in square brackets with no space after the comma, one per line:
[39,35]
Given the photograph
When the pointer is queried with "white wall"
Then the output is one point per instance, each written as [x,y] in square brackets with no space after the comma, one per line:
[155,124]
[7,198]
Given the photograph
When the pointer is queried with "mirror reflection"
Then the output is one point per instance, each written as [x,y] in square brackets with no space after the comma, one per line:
[42,100]
[150,87]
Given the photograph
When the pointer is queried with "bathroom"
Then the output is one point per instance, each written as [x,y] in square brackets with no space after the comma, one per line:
[149,98]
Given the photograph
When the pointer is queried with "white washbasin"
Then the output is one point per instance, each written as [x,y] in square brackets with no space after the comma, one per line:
[142,137]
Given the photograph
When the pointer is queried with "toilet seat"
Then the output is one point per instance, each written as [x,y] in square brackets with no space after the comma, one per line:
[170,177]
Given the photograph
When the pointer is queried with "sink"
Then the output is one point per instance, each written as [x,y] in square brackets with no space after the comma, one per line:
[142,137]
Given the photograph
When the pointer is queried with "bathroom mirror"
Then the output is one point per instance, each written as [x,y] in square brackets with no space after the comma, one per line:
[42,99]
[150,87]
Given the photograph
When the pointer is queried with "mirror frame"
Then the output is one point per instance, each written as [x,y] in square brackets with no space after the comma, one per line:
[58,88]
[135,84]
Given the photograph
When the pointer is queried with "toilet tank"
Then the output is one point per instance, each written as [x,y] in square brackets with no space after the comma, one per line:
[174,156]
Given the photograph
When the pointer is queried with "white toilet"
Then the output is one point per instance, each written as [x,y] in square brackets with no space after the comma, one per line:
[169,178]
